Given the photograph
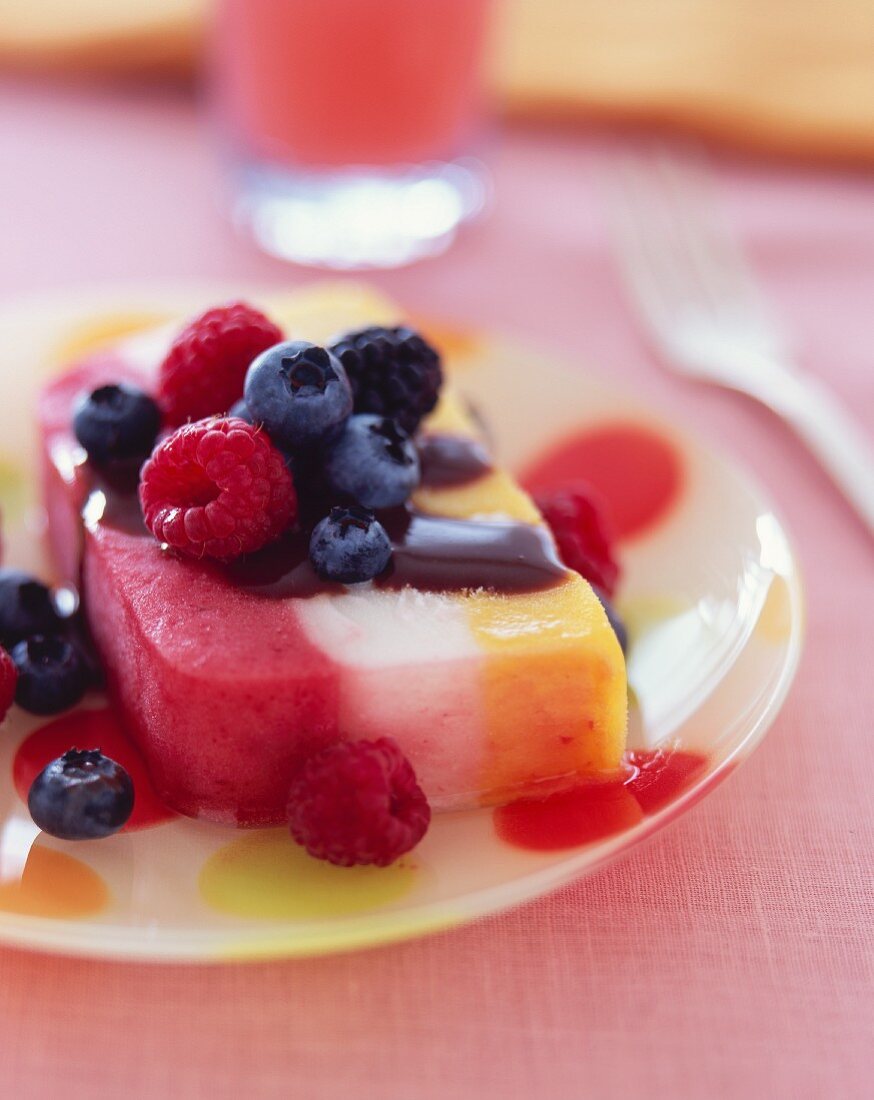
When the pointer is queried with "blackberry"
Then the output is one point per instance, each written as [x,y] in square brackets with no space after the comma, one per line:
[394,372]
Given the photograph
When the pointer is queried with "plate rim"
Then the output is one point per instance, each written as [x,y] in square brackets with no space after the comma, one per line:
[336,935]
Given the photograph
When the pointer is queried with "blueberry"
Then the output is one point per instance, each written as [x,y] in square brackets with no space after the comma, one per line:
[300,393]
[117,423]
[350,546]
[374,462]
[52,674]
[241,410]
[26,607]
[83,795]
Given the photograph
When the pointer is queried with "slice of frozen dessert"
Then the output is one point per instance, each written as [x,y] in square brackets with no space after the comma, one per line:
[341,560]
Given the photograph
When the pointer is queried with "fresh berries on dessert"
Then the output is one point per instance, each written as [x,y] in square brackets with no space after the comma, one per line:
[394,372]
[240,411]
[300,393]
[217,488]
[581,535]
[374,462]
[83,795]
[117,423]
[358,802]
[204,370]
[618,625]
[8,681]
[350,546]
[52,674]
[26,607]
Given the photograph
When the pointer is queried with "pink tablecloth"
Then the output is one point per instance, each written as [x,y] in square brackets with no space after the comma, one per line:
[733,956]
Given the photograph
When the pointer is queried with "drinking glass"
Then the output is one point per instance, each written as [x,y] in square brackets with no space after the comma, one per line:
[350,125]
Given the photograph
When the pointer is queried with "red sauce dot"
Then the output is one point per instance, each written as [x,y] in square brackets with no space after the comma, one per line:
[636,471]
[593,811]
[660,775]
[568,819]
[90,729]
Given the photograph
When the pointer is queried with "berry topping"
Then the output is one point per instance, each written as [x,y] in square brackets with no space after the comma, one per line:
[204,370]
[394,372]
[300,393]
[8,681]
[217,488]
[117,424]
[358,802]
[26,607]
[83,795]
[374,462]
[240,411]
[349,546]
[52,674]
[580,532]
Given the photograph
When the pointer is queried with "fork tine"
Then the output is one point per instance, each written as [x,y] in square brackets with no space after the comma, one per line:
[632,251]
[724,272]
[677,253]
[646,244]
[672,212]
[696,291]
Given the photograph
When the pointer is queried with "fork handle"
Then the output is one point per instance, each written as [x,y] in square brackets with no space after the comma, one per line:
[840,444]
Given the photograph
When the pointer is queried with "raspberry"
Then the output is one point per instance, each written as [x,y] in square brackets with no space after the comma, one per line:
[204,370]
[394,372]
[217,488]
[581,534]
[358,802]
[8,681]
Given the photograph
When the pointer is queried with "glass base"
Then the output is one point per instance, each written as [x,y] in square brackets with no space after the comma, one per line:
[359,218]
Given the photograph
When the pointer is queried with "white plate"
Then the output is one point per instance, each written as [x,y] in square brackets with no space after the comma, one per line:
[711,592]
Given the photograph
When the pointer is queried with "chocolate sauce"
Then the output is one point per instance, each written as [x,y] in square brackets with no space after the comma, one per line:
[451,460]
[112,499]
[280,571]
[436,554]
[430,553]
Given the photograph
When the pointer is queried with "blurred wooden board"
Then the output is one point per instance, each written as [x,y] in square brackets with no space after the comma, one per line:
[776,75]
[782,76]
[102,36]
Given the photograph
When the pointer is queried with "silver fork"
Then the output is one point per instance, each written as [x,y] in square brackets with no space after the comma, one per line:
[706,316]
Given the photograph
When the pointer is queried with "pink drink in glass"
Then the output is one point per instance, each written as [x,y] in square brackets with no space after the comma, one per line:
[354,116]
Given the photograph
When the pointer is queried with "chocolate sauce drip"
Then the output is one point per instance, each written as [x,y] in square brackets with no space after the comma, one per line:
[430,553]
[280,571]
[112,499]
[450,460]
[446,555]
